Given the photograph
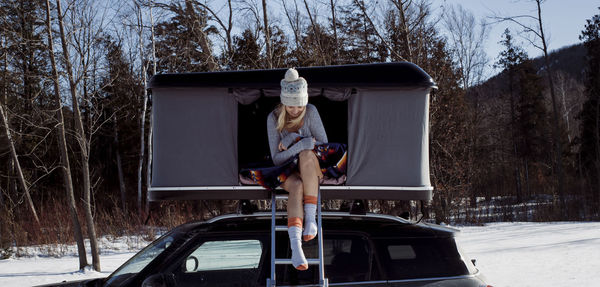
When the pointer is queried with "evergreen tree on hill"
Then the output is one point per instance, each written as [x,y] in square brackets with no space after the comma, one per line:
[590,115]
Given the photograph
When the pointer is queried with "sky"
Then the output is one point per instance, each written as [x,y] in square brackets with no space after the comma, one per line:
[563,20]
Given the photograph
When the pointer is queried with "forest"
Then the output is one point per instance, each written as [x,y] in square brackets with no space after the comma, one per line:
[75,130]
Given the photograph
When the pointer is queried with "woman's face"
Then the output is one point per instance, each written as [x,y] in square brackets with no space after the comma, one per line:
[294,111]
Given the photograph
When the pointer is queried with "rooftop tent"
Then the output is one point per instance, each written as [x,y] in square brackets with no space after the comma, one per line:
[206,126]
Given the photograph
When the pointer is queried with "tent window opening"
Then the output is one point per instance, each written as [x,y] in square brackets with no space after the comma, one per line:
[253,144]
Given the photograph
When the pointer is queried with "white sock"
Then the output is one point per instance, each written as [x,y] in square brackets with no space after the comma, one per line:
[298,259]
[310,223]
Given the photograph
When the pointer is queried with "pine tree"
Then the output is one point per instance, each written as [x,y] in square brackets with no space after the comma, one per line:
[246,51]
[182,42]
[590,115]
[509,60]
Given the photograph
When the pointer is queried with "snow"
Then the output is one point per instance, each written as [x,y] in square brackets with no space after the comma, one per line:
[535,254]
[508,254]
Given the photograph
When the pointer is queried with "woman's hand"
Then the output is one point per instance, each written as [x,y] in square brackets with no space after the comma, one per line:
[282,147]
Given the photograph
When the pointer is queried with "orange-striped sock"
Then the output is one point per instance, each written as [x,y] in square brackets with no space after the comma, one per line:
[295,221]
[310,199]
[295,232]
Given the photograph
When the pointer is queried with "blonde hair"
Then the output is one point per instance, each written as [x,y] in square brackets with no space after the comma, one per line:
[284,121]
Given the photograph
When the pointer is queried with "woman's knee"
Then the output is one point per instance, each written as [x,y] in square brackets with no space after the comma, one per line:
[307,157]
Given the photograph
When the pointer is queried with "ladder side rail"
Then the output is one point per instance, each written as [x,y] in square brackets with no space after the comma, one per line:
[271,281]
[322,280]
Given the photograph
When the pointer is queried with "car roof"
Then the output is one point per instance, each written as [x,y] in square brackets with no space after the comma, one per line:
[376,225]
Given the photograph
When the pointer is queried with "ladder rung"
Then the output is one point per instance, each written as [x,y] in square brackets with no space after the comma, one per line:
[311,261]
[281,228]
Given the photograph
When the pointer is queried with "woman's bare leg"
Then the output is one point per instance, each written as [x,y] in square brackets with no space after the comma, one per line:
[293,185]
[310,173]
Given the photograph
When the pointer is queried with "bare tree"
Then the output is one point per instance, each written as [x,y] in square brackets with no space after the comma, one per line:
[64,158]
[140,30]
[294,20]
[402,6]
[153,43]
[334,28]
[227,28]
[15,159]
[267,36]
[81,140]
[466,41]
[313,25]
[13,152]
[361,4]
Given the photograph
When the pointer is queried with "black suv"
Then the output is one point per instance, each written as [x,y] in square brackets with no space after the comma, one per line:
[359,250]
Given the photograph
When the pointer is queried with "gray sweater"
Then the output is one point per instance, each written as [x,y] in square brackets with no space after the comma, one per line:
[312,127]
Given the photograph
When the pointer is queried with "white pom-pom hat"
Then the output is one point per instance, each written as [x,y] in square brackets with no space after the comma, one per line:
[294,89]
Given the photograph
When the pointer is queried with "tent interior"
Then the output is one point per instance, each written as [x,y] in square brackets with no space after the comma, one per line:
[253,145]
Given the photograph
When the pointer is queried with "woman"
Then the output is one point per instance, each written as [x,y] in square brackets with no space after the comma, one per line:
[301,154]
[294,128]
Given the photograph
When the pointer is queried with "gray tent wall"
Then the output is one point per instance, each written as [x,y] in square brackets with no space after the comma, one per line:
[195,130]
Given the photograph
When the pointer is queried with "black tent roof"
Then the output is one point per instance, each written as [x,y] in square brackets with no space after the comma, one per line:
[397,74]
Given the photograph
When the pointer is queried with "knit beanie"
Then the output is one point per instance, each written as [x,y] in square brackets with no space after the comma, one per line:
[294,89]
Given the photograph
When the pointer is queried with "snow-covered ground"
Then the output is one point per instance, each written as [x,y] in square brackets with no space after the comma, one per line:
[508,254]
[536,254]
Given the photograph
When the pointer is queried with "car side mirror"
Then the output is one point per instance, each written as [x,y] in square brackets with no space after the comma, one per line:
[191,264]
[159,280]
[474,261]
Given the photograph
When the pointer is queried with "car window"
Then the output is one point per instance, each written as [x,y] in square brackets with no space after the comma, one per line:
[413,258]
[221,263]
[140,260]
[225,255]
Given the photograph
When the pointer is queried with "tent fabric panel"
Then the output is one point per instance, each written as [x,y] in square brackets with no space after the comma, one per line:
[388,138]
[195,137]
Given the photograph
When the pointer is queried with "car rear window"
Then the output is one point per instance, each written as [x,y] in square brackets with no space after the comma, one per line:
[413,258]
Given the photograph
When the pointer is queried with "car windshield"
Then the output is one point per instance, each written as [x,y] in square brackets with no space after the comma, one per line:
[141,259]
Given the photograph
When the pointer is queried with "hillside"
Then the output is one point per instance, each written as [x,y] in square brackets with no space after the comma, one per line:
[569,60]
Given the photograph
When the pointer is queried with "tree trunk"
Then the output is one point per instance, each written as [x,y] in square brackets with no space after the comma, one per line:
[293,22]
[62,142]
[81,139]
[119,166]
[202,36]
[313,24]
[15,158]
[144,107]
[267,36]
[334,27]
[400,6]
[556,130]
[149,161]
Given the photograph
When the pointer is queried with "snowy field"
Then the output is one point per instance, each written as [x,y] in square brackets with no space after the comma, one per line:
[508,254]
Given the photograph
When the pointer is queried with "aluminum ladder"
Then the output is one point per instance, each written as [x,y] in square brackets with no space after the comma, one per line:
[271,281]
